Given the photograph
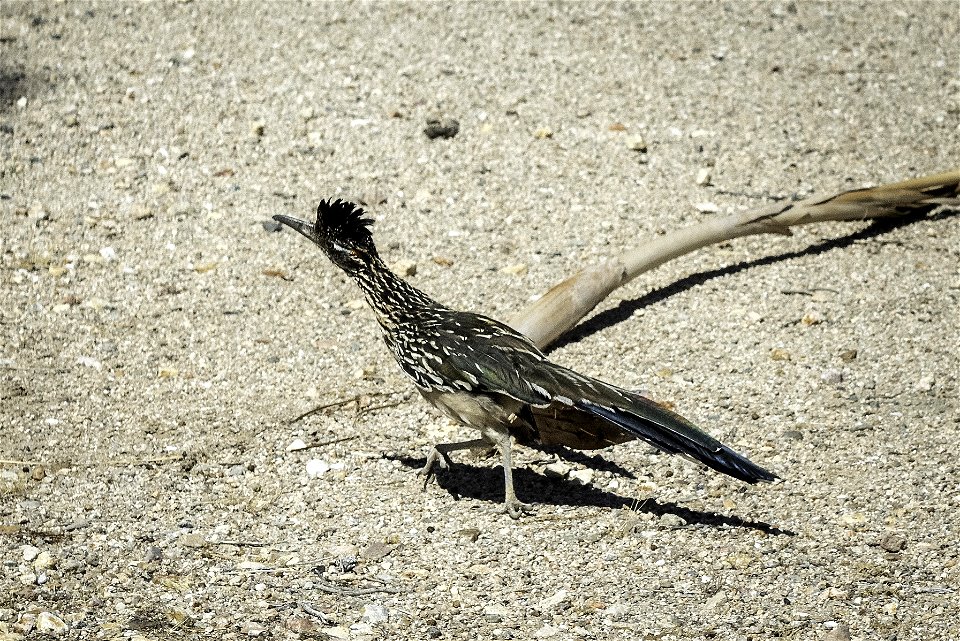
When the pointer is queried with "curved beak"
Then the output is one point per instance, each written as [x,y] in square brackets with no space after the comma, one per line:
[296,224]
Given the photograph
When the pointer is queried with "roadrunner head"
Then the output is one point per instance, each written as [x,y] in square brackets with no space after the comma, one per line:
[341,231]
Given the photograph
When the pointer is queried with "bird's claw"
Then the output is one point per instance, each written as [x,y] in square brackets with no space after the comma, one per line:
[435,458]
[516,508]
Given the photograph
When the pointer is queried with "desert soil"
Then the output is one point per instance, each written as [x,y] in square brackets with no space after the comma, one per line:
[159,338]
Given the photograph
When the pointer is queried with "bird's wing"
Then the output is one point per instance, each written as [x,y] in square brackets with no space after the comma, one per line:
[493,358]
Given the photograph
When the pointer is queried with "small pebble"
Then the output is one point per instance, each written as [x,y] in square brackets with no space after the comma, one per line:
[296,445]
[519,269]
[635,142]
[375,614]
[778,354]
[317,467]
[670,520]
[831,376]
[707,208]
[840,633]
[543,132]
[704,177]
[892,542]
[50,623]
[153,554]
[44,561]
[441,128]
[405,268]
[557,470]
[583,477]
[29,553]
[848,355]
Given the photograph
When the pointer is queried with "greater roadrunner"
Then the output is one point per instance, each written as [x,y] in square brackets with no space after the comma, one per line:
[489,376]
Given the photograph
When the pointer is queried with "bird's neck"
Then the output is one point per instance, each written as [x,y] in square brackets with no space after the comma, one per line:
[393,299]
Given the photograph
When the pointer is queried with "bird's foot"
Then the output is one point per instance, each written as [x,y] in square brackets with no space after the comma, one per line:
[516,508]
[436,458]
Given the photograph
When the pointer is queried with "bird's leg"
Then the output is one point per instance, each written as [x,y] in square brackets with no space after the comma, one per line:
[440,456]
[514,507]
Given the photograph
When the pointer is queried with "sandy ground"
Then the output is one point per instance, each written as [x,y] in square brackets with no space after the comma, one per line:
[158,340]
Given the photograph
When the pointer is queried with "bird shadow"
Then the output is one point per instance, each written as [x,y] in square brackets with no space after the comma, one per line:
[625,309]
[486,484]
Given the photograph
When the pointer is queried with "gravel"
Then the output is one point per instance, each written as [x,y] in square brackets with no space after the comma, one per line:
[159,338]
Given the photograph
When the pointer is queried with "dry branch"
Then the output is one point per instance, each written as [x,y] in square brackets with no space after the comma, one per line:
[565,304]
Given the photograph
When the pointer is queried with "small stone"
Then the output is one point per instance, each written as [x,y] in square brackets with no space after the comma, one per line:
[28,578]
[583,477]
[739,560]
[50,623]
[892,542]
[924,384]
[405,267]
[848,355]
[434,632]
[44,561]
[519,269]
[317,467]
[670,520]
[793,435]
[707,208]
[778,354]
[635,142]
[152,554]
[29,553]
[271,226]
[835,593]
[704,177]
[840,633]
[543,132]
[336,632]
[377,550]
[812,318]
[831,376]
[257,129]
[714,601]
[441,128]
[495,613]
[301,625]
[375,614]
[168,372]
[470,533]
[61,308]
[557,470]
[560,600]
[296,445]
[192,540]
[546,632]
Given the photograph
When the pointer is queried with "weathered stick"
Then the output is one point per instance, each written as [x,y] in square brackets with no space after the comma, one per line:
[565,304]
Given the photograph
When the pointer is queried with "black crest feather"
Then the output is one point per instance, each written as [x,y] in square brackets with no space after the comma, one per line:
[343,220]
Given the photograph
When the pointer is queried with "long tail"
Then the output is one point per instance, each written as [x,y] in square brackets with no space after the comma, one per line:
[665,430]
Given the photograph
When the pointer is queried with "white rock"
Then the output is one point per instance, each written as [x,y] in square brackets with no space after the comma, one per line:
[557,470]
[707,208]
[44,561]
[317,467]
[704,176]
[29,553]
[374,613]
[50,623]
[583,477]
[553,602]
[296,444]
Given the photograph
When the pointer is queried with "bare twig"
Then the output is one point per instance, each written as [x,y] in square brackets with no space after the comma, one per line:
[346,401]
[344,591]
[565,304]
